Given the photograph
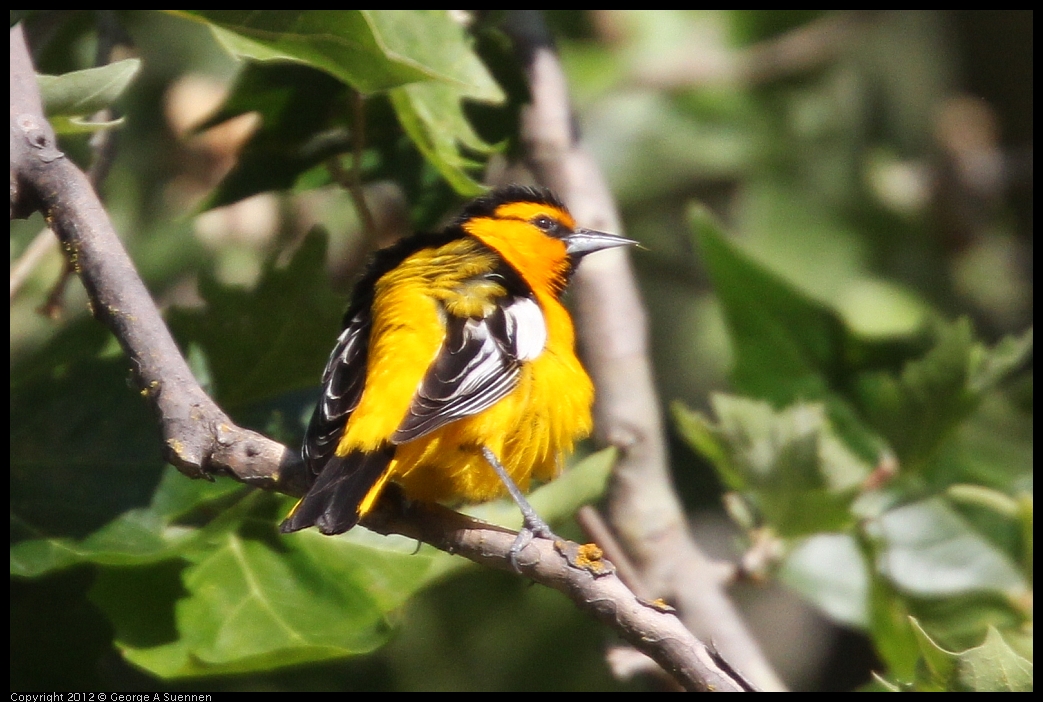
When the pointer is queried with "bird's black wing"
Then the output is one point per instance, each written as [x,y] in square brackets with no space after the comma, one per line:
[478,365]
[342,385]
[340,483]
[345,376]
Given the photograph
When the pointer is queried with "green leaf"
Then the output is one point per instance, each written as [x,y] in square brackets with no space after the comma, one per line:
[787,346]
[86,459]
[370,50]
[995,666]
[791,463]
[998,517]
[136,537]
[993,366]
[422,56]
[262,343]
[242,607]
[139,602]
[340,42]
[993,448]
[432,113]
[389,569]
[250,608]
[961,621]
[700,433]
[433,117]
[892,636]
[245,607]
[940,664]
[991,667]
[133,537]
[928,549]
[82,93]
[830,571]
[788,229]
[431,39]
[917,410]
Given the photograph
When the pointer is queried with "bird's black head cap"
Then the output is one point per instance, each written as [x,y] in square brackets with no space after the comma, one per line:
[485,206]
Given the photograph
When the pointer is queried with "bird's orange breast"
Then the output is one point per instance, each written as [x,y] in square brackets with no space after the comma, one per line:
[530,430]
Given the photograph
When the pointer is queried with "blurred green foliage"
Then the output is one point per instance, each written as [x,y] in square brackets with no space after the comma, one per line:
[849,325]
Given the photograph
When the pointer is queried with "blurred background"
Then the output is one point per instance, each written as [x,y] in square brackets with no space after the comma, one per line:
[880,162]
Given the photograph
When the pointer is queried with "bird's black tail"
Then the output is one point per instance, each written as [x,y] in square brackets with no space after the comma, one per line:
[332,503]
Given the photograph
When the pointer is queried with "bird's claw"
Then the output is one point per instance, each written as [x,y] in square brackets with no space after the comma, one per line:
[530,530]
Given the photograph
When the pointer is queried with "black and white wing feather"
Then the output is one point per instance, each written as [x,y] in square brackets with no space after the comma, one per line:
[478,365]
[342,385]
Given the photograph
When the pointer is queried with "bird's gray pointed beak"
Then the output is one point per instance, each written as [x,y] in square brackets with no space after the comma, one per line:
[586,241]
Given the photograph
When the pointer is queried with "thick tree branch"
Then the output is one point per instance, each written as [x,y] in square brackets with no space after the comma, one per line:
[649,627]
[612,328]
[199,439]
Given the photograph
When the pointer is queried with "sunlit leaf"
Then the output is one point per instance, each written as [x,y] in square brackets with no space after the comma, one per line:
[377,50]
[787,346]
[928,549]
[991,667]
[995,666]
[82,93]
[799,474]
[433,117]
[251,608]
[830,571]
[340,42]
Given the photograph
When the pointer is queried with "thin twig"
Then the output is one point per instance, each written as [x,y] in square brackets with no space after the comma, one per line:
[358,143]
[52,305]
[352,180]
[41,245]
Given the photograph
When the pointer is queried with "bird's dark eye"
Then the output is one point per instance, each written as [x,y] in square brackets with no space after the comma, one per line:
[544,222]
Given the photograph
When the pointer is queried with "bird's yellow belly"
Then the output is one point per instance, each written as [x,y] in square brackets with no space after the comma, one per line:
[544,416]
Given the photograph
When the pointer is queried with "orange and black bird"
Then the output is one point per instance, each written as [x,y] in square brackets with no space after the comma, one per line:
[456,375]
